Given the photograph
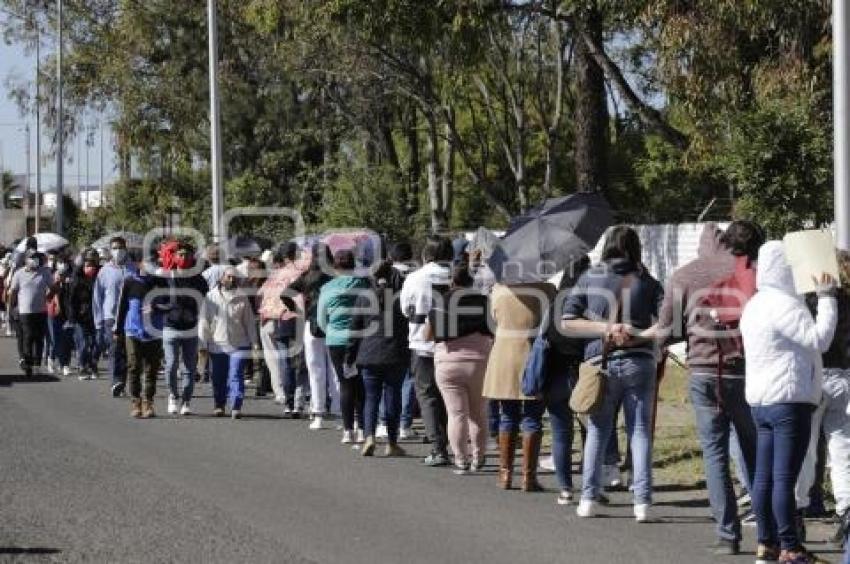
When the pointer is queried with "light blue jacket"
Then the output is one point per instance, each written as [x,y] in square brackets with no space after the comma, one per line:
[107,291]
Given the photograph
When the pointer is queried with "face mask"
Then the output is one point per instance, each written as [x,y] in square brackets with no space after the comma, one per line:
[119,255]
[32,263]
[61,267]
[183,263]
[51,263]
[89,271]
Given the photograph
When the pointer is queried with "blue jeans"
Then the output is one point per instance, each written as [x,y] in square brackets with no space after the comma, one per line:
[88,350]
[630,381]
[117,354]
[175,349]
[493,417]
[288,370]
[62,337]
[562,380]
[226,374]
[783,430]
[383,385]
[408,402]
[518,414]
[714,421]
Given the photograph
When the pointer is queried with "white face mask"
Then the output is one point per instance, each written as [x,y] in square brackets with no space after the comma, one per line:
[119,255]
[61,267]
[32,263]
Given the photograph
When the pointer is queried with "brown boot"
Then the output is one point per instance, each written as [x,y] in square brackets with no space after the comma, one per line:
[136,408]
[506,459]
[530,454]
[147,409]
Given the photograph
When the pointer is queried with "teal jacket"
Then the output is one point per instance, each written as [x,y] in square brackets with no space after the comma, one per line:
[334,312]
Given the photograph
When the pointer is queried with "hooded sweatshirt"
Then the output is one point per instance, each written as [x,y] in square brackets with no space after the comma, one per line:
[714,262]
[782,341]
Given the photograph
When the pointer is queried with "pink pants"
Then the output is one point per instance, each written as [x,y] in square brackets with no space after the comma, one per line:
[461,382]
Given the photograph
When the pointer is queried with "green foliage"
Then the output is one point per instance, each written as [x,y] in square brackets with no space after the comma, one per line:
[780,161]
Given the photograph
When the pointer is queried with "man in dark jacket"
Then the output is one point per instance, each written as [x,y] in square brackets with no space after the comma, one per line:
[717,392]
[186,291]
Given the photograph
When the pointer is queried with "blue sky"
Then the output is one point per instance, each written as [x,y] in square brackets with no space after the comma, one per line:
[14,63]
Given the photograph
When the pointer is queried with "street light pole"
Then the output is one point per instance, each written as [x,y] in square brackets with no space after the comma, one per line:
[215,126]
[28,183]
[60,130]
[841,119]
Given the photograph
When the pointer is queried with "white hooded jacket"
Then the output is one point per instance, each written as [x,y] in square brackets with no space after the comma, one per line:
[782,342]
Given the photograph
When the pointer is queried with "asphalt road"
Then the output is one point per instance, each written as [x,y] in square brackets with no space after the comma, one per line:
[80,481]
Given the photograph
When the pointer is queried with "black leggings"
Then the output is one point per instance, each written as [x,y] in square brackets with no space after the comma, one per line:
[33,328]
[352,394]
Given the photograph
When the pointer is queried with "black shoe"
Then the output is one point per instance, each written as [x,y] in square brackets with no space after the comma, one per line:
[725,547]
[117,389]
[436,459]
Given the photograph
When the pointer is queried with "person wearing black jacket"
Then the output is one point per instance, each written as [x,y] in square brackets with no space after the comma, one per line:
[382,353]
[460,324]
[323,383]
[81,314]
[186,292]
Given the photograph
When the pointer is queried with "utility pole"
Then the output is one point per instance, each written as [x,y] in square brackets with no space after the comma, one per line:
[86,205]
[60,131]
[28,184]
[841,119]
[37,129]
[215,133]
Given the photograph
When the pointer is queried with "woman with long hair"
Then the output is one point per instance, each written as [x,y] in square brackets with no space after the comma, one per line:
[607,298]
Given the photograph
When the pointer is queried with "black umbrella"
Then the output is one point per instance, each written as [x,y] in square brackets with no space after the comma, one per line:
[544,241]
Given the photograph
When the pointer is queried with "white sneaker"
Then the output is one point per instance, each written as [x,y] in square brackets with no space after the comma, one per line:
[173,405]
[407,433]
[565,497]
[641,512]
[235,414]
[66,371]
[381,432]
[586,508]
[317,423]
[359,436]
[347,437]
[547,463]
[186,410]
[280,400]
[611,477]
[50,369]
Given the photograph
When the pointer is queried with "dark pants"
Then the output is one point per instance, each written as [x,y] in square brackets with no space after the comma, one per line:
[784,431]
[62,339]
[493,417]
[434,414]
[33,331]
[351,392]
[143,357]
[88,349]
[117,355]
[714,421]
[383,382]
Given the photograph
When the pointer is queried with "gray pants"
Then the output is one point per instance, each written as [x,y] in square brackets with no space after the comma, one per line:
[431,404]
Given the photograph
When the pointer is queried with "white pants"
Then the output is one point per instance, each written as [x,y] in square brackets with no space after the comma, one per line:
[320,370]
[273,352]
[831,413]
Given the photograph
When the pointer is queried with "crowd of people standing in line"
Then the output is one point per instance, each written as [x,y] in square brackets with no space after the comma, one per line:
[361,334]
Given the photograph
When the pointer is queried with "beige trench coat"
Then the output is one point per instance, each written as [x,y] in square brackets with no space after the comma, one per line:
[517,310]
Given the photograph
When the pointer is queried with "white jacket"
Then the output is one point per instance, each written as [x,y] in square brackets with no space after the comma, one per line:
[417,300]
[782,342]
[227,321]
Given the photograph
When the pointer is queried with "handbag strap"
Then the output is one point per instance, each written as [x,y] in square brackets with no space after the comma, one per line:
[625,284]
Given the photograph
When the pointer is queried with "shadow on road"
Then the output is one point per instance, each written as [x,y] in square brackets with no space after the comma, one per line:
[32,550]
[9,379]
